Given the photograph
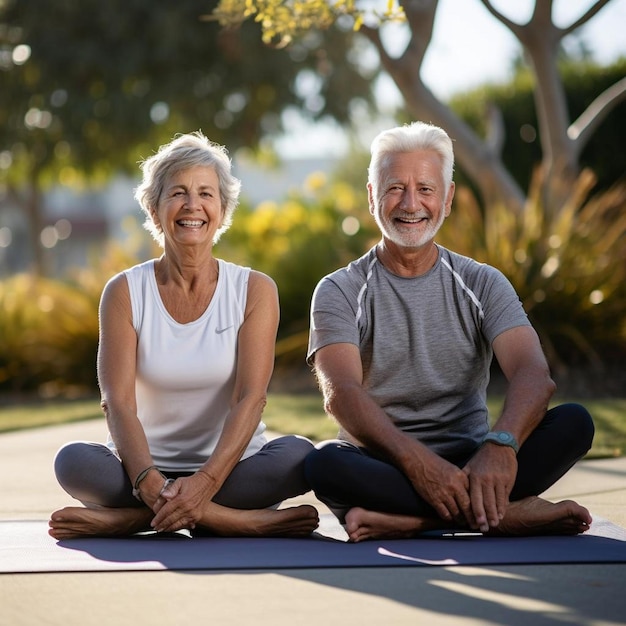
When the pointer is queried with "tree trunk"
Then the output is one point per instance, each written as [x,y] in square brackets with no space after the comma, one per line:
[479,160]
[482,165]
[32,205]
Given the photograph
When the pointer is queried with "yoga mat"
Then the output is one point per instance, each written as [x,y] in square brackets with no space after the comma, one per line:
[25,546]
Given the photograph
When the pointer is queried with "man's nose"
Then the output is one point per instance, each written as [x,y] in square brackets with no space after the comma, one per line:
[409,198]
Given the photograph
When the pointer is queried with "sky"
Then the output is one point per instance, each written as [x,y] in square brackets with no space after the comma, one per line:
[469,48]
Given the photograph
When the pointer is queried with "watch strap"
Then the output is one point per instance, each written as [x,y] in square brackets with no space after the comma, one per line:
[502,438]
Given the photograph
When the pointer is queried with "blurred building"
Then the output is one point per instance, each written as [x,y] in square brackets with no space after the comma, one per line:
[77,225]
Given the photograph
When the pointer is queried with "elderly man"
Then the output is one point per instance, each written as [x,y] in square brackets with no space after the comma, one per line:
[401,342]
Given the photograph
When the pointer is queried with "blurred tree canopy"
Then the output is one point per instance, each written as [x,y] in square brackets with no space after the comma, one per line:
[562,137]
[90,87]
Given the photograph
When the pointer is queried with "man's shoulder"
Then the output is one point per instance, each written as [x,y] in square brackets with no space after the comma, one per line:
[465,266]
[355,272]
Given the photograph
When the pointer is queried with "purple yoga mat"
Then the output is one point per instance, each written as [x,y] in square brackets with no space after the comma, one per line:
[25,546]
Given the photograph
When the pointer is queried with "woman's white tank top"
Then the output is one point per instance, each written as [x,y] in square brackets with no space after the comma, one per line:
[186,372]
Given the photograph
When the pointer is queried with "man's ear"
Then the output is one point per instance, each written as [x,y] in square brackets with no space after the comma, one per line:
[449,199]
[370,198]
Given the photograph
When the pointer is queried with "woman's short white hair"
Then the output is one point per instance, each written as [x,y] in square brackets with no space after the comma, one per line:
[410,138]
[184,152]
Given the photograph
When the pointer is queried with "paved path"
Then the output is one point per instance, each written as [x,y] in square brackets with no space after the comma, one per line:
[590,595]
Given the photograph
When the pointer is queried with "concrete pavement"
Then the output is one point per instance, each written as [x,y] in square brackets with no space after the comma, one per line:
[592,595]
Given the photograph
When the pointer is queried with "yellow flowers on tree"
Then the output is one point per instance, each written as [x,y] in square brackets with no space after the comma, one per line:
[282,21]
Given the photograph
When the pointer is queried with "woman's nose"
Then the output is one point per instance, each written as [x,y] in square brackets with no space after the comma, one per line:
[192,201]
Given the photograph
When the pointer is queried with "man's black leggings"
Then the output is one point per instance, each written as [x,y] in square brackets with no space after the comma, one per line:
[344,476]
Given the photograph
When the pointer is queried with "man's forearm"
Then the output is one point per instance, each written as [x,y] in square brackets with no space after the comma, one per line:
[525,405]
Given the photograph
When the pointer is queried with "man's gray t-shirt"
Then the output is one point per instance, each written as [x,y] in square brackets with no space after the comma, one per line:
[425,342]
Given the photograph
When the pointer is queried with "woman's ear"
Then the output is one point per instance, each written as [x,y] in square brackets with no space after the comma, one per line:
[155,218]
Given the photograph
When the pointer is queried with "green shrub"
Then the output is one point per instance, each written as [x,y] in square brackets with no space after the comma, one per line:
[297,242]
[47,331]
[568,266]
[49,328]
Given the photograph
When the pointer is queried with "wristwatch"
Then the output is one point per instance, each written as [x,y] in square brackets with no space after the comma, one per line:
[502,438]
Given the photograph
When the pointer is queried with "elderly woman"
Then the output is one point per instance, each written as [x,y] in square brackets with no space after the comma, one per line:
[185,356]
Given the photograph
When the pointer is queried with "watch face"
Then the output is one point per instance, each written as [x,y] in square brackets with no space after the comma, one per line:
[505,437]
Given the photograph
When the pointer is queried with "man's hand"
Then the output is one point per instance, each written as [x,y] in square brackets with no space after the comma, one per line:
[446,488]
[491,472]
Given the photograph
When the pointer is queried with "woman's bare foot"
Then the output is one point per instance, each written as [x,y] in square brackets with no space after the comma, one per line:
[299,521]
[362,524]
[72,522]
[535,516]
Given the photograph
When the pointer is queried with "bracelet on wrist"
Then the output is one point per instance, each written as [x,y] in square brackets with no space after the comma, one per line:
[502,438]
[140,478]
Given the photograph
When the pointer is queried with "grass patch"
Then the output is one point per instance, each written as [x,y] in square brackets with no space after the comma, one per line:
[303,414]
[32,414]
[609,417]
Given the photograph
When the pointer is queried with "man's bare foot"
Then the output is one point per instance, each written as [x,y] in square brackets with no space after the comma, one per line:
[299,521]
[535,516]
[72,522]
[362,524]
[531,516]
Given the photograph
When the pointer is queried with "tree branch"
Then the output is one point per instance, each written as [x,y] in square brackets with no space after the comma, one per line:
[591,11]
[514,27]
[373,34]
[583,128]
[420,15]
[495,130]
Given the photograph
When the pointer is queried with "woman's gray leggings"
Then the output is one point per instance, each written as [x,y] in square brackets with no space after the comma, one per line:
[92,474]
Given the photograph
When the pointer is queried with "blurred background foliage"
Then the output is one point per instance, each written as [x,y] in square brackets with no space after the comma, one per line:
[106,83]
[569,269]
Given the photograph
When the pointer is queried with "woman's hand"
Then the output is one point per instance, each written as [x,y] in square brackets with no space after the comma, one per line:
[181,503]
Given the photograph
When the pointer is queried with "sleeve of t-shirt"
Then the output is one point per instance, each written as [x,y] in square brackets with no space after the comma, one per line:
[333,317]
[502,307]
